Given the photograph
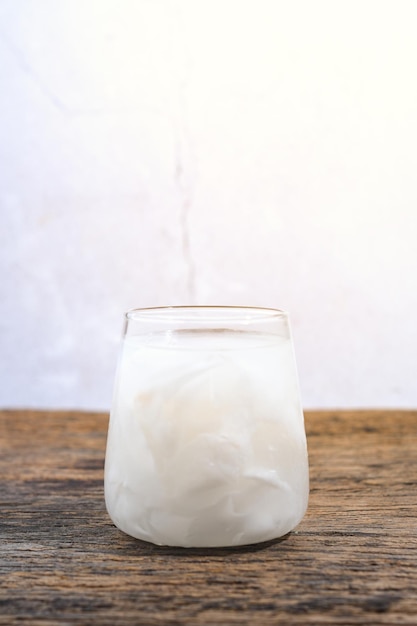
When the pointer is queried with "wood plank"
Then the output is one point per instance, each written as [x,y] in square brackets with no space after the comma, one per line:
[351,561]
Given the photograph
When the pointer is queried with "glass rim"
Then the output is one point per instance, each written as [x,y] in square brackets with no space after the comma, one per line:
[161,313]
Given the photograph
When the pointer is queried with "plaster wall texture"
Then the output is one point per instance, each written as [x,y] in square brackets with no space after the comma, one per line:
[208,152]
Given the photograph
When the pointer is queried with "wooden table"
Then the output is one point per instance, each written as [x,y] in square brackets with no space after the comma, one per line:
[351,561]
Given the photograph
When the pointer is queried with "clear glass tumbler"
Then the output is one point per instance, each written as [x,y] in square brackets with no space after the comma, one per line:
[206,444]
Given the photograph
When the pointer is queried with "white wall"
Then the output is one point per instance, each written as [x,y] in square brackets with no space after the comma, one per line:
[208,151]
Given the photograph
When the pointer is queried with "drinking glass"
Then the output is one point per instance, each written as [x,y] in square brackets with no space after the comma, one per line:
[206,444]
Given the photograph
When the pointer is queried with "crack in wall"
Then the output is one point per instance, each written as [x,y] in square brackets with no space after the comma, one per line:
[185,208]
[184,161]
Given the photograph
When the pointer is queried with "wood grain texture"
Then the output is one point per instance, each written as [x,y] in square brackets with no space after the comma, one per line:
[353,559]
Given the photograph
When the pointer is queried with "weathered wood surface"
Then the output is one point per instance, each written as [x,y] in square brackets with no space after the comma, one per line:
[353,559]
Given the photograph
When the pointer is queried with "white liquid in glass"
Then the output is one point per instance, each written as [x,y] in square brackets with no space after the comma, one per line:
[206,443]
